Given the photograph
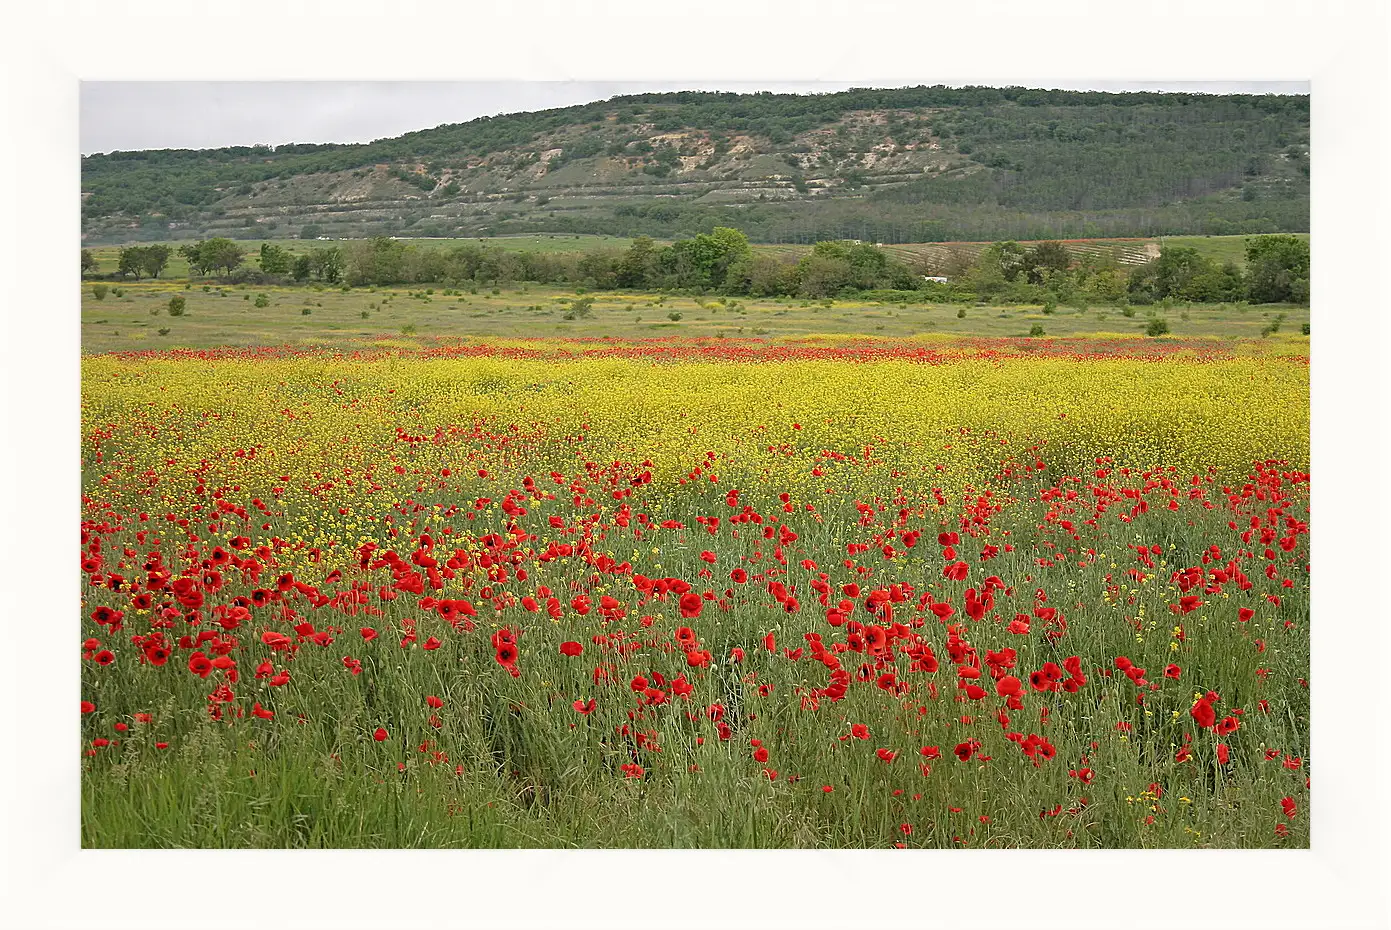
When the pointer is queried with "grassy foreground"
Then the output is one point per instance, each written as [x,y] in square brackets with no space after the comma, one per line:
[835,595]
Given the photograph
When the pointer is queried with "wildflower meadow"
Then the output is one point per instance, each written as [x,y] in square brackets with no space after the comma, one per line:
[845,593]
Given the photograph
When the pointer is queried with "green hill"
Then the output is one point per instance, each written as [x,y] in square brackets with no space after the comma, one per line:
[924,164]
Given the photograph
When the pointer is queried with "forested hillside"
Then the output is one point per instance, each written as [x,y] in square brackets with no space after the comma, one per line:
[912,165]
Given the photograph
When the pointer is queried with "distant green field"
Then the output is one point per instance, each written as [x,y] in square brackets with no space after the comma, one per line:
[228,316]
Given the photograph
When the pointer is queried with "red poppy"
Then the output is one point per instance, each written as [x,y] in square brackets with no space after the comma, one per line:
[200,665]
[380,734]
[571,648]
[1203,714]
[434,702]
[1288,806]
[691,604]
[885,755]
[1172,671]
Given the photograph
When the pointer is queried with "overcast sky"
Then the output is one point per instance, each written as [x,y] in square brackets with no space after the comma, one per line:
[130,115]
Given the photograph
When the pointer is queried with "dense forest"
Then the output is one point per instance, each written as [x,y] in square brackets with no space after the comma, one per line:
[909,165]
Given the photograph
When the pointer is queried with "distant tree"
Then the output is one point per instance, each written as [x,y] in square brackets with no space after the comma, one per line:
[826,271]
[1009,257]
[327,264]
[193,254]
[154,259]
[311,231]
[761,275]
[1176,268]
[1278,269]
[635,268]
[1217,284]
[220,253]
[274,259]
[89,263]
[302,268]
[132,261]
[1046,260]
[704,260]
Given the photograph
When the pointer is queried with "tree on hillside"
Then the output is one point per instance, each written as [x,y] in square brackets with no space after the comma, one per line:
[154,259]
[1278,269]
[89,263]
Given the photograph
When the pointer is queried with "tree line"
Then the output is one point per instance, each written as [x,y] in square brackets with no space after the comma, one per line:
[723,261]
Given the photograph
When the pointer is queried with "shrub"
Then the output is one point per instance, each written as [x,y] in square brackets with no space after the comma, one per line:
[1158,326]
[262,300]
[164,331]
[674,316]
[1036,329]
[99,291]
[303,311]
[961,314]
[1128,311]
[176,305]
[1304,329]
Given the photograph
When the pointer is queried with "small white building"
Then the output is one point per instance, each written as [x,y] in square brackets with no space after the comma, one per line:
[935,279]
